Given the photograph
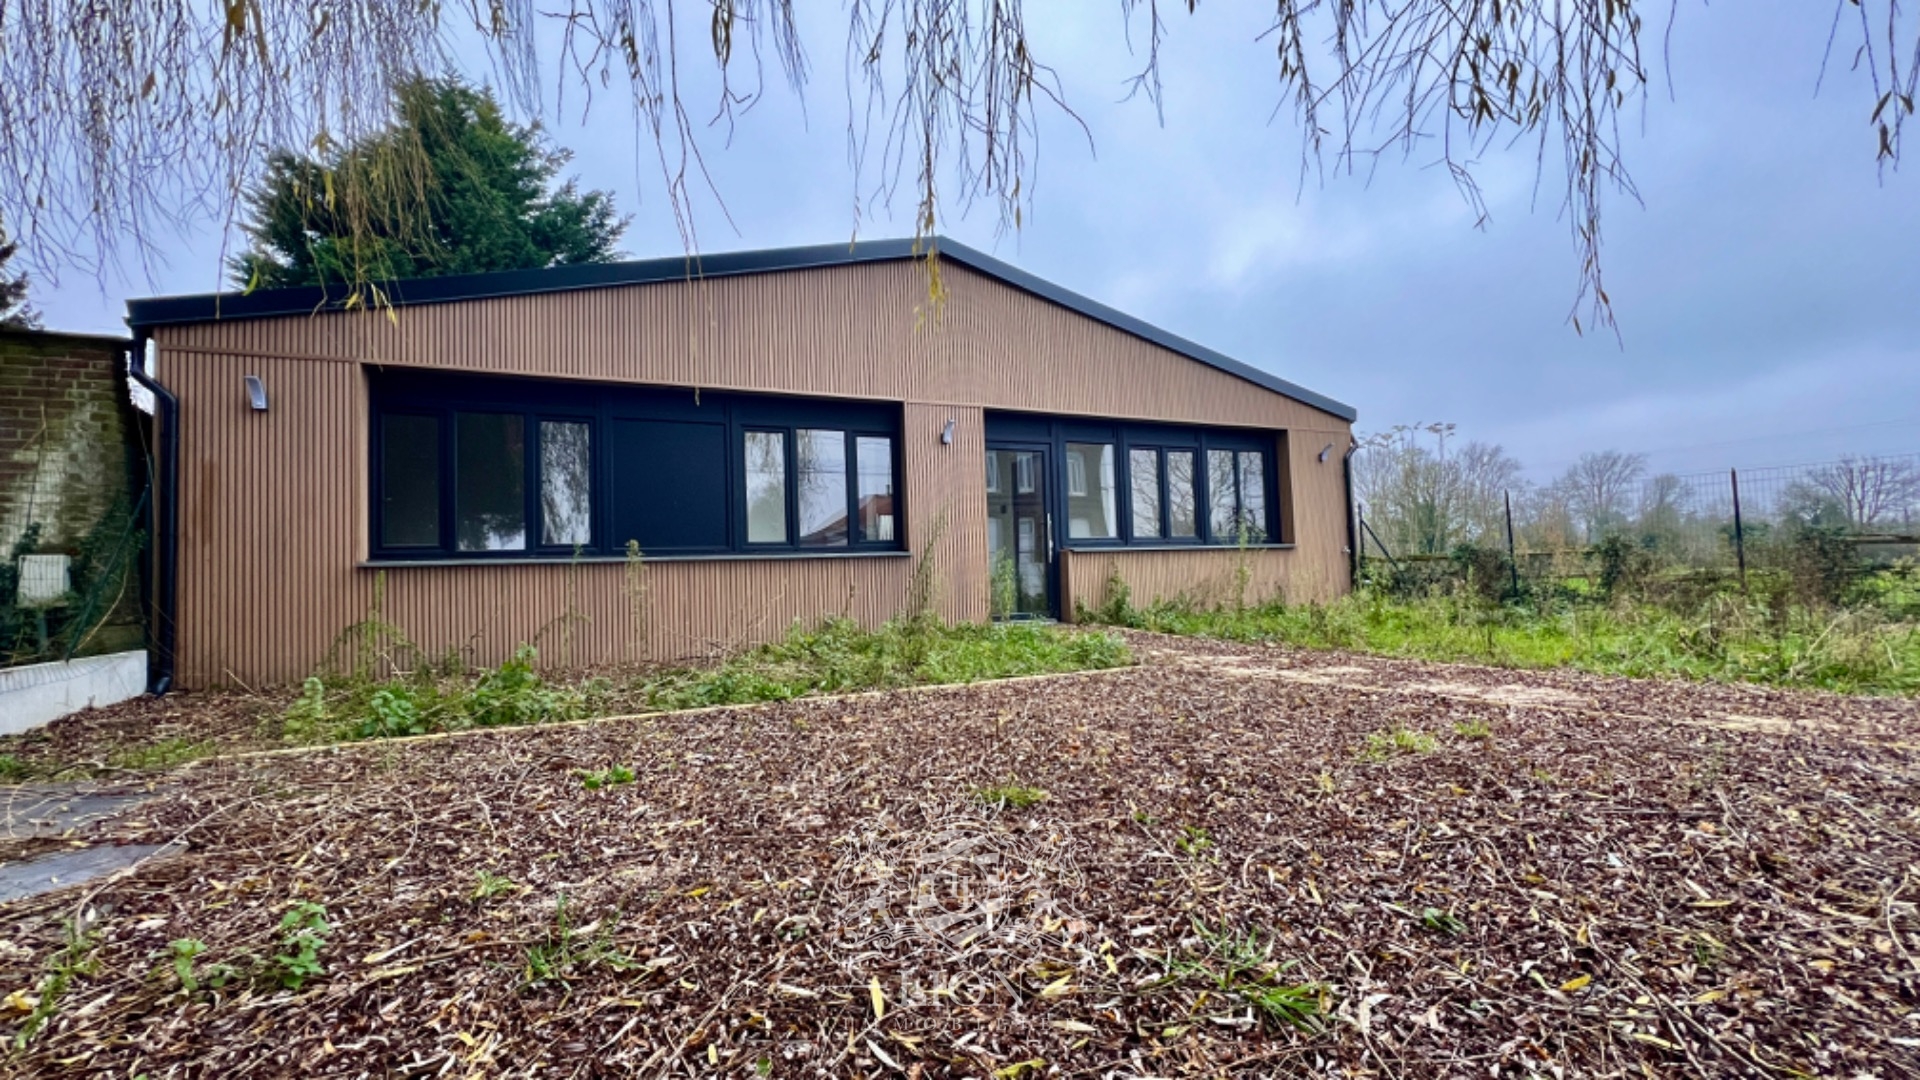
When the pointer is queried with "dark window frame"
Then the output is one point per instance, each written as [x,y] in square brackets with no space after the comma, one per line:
[1127,436]
[444,395]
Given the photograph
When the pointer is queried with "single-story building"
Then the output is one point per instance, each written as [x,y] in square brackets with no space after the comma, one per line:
[666,458]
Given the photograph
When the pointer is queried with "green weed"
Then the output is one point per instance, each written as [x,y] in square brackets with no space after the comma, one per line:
[568,950]
[840,657]
[1473,729]
[487,885]
[74,960]
[13,770]
[1384,745]
[160,755]
[1242,966]
[608,777]
[1010,796]
[1193,841]
[303,934]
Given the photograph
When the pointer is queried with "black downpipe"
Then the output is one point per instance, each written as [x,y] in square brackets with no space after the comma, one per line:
[1353,538]
[166,510]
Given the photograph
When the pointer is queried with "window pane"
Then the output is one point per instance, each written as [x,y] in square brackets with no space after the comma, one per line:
[1253,495]
[409,481]
[1220,501]
[875,460]
[823,487]
[1180,518]
[490,482]
[1144,465]
[1091,510]
[766,487]
[566,470]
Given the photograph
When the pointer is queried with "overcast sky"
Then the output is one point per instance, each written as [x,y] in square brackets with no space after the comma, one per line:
[1768,291]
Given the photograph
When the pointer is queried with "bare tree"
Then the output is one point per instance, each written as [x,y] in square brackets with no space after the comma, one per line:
[1598,486]
[1869,489]
[119,119]
[1427,500]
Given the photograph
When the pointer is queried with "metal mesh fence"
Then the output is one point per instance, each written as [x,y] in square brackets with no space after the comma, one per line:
[1716,520]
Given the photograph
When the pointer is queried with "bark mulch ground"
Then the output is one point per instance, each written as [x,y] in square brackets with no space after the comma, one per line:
[1248,862]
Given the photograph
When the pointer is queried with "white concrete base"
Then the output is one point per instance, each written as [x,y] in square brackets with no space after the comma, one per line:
[39,694]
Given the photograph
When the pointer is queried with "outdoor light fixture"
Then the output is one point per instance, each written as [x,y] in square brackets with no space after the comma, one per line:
[256,394]
[946,434]
[1324,451]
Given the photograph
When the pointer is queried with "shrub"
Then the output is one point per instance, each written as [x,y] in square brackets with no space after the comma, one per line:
[513,694]
[1487,572]
[392,711]
[1624,566]
[1822,565]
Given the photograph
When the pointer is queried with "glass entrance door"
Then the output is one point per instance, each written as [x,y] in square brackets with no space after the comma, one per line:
[1019,535]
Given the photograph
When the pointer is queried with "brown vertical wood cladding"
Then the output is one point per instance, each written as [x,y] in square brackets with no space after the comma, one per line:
[274,505]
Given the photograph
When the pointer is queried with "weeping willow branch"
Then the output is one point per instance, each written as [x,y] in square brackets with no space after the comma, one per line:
[121,123]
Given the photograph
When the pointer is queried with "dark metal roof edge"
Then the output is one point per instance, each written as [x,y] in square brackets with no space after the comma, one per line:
[307,300]
[165,310]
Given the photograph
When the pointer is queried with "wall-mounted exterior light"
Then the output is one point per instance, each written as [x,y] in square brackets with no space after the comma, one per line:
[1324,451]
[256,394]
[946,434]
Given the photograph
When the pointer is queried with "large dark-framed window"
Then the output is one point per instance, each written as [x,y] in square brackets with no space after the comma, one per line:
[471,467]
[1129,484]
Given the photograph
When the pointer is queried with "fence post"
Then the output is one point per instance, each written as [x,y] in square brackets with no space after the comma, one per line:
[1513,560]
[1739,532]
[1360,541]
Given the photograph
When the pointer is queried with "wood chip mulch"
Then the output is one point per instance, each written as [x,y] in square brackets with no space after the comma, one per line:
[1586,880]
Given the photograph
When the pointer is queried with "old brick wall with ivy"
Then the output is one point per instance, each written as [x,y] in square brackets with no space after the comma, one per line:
[72,474]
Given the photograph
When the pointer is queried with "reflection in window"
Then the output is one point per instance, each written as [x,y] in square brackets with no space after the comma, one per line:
[1221,490]
[1091,510]
[1181,523]
[409,481]
[1253,496]
[1023,473]
[766,487]
[566,469]
[1143,467]
[490,482]
[874,461]
[821,457]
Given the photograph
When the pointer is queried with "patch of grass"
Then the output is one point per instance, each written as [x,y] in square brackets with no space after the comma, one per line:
[840,657]
[160,755]
[836,657]
[13,770]
[487,885]
[568,950]
[1240,965]
[1872,647]
[1011,795]
[1473,729]
[1383,745]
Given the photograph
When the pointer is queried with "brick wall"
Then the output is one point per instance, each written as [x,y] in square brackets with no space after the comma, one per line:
[69,445]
